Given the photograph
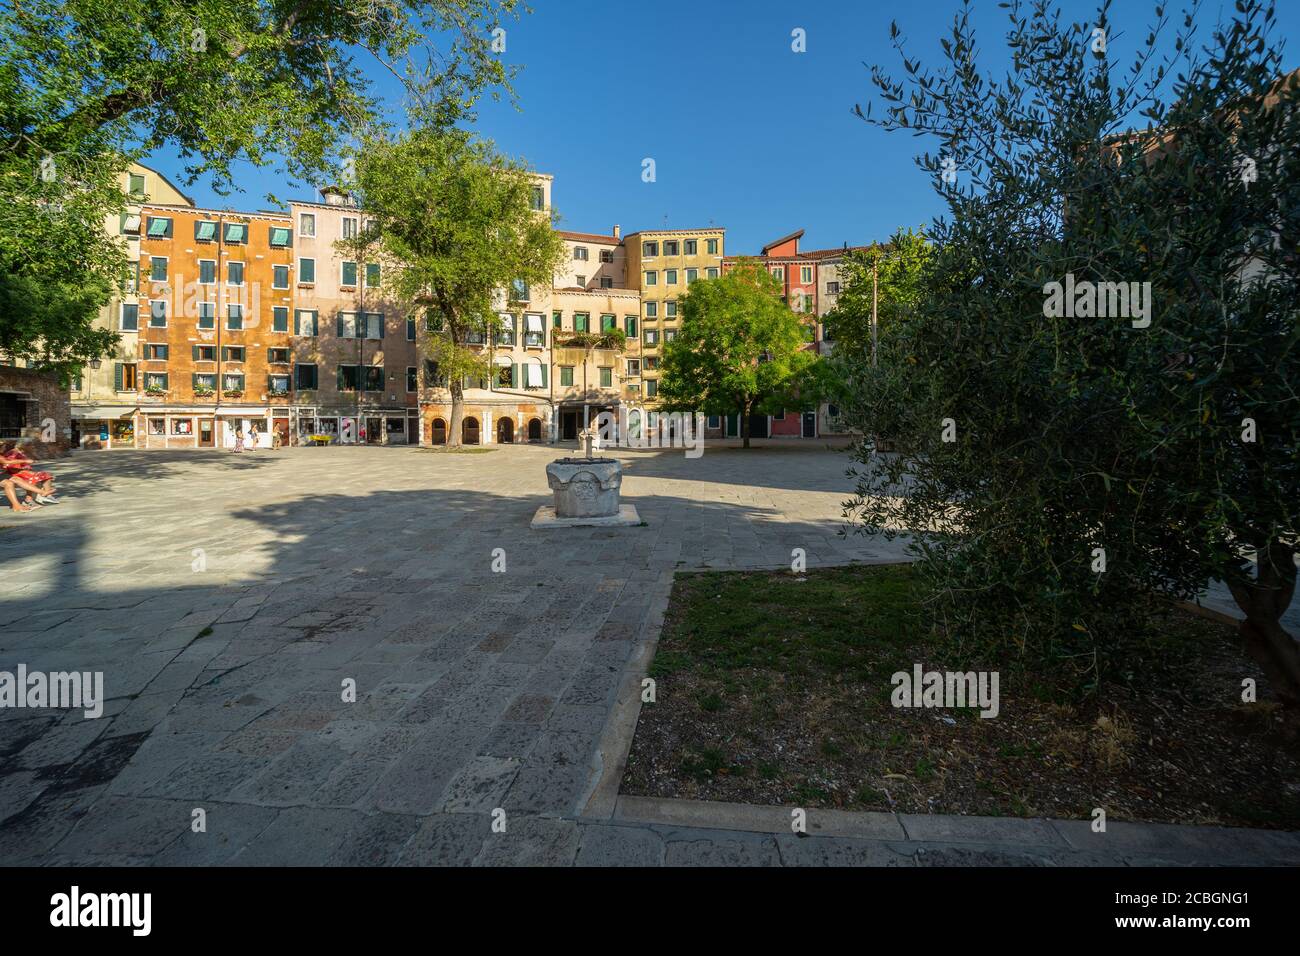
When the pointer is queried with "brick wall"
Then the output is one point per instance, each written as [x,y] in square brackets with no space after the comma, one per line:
[49,403]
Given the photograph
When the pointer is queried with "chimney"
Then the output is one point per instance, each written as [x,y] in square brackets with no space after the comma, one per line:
[617,231]
[337,197]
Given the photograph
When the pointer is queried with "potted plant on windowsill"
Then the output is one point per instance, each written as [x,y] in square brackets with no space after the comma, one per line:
[203,391]
[233,393]
[155,391]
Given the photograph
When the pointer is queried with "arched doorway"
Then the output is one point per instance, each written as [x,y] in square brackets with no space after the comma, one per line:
[438,434]
[535,430]
[469,431]
[506,431]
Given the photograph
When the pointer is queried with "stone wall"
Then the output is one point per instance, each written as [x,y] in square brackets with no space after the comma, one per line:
[43,402]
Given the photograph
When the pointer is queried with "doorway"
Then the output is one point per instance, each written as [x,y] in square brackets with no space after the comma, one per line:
[809,424]
[506,431]
[535,429]
[374,433]
[438,432]
[207,437]
[469,431]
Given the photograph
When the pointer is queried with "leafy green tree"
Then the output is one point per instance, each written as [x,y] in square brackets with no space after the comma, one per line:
[739,350]
[1063,460]
[460,239]
[888,276]
[87,86]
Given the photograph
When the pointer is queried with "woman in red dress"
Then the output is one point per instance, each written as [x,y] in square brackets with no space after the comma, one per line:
[17,467]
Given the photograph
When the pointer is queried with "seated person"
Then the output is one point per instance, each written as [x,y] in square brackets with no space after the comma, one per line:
[18,466]
[9,488]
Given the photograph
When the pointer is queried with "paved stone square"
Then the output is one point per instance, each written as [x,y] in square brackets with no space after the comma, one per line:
[230,599]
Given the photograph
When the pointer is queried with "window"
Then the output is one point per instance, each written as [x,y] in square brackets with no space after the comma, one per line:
[232,382]
[207,272]
[606,282]
[130,320]
[652,363]
[672,247]
[692,246]
[207,315]
[606,377]
[633,368]
[506,376]
[159,228]
[652,310]
[580,253]
[307,271]
[711,273]
[346,326]
[372,275]
[278,356]
[277,383]
[304,323]
[157,426]
[649,249]
[279,277]
[234,273]
[711,246]
[374,378]
[832,288]
[670,277]
[155,381]
[807,303]
[281,237]
[581,322]
[124,378]
[652,278]
[779,416]
[307,225]
[204,382]
[157,268]
[566,374]
[236,233]
[410,329]
[135,187]
[304,376]
[715,421]
[557,320]
[805,274]
[433,376]
[670,310]
[349,274]
[580,281]
[155,352]
[349,378]
[412,379]
[130,224]
[349,227]
[608,323]
[670,335]
[629,325]
[234,316]
[534,330]
[205,230]
[538,198]
[778,273]
[651,387]
[519,290]
[373,324]
[633,387]
[474,337]
[205,353]
[833,411]
[232,353]
[692,275]
[158,314]
[651,337]
[606,255]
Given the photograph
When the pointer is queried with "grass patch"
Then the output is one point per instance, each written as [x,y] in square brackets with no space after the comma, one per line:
[774,688]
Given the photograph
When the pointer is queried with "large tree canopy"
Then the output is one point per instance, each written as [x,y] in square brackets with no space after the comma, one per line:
[1096,395]
[455,221]
[740,350]
[88,85]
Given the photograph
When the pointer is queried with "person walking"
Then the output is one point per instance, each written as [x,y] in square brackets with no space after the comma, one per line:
[252,437]
[239,439]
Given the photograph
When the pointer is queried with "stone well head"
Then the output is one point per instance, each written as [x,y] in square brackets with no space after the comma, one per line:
[585,487]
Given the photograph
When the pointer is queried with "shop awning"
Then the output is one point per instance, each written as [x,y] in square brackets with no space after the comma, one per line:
[100,411]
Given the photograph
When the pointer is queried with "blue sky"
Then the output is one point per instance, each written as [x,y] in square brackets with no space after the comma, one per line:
[744,132]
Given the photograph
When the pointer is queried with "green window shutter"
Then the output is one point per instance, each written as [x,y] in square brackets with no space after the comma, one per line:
[194,380]
[194,352]
[339,332]
[297,322]
[340,373]
[372,276]
[515,380]
[543,375]
[382,323]
[117,377]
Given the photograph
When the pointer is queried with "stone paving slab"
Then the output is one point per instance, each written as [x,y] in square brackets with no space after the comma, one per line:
[347,681]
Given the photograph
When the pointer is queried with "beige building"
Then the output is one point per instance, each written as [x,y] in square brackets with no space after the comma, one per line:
[355,370]
[103,408]
[593,370]
[661,263]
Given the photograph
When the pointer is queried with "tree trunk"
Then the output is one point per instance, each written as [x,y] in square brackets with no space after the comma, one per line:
[1264,600]
[744,424]
[454,428]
